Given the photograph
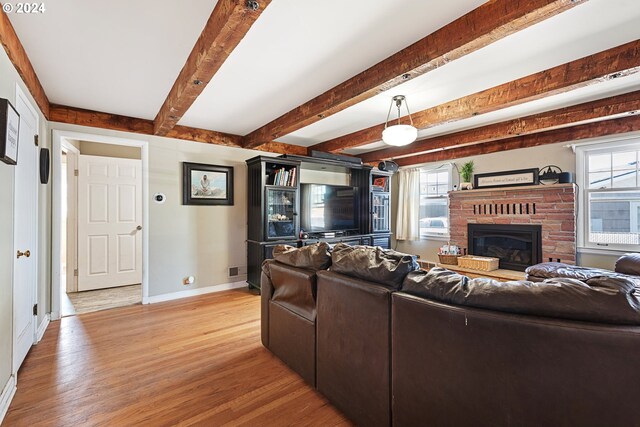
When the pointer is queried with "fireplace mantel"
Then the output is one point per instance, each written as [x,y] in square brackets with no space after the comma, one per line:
[552,206]
[477,191]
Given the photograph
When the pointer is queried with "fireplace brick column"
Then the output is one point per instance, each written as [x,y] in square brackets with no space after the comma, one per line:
[552,206]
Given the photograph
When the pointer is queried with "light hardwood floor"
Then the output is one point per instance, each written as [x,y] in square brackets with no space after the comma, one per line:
[195,361]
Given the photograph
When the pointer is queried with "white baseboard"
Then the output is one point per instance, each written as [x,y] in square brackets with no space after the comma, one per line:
[42,327]
[193,292]
[7,395]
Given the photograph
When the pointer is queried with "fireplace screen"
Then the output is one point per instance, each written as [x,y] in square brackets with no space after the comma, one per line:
[517,246]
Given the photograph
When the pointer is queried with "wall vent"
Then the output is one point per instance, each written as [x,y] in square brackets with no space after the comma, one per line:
[504,209]
[233,271]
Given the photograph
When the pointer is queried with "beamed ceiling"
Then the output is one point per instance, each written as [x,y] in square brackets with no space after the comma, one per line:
[296,75]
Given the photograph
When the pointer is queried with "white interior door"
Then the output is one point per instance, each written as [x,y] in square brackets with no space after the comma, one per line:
[109,222]
[25,264]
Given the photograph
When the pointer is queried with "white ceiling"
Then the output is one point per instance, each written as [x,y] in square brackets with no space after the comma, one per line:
[117,56]
[123,57]
[586,29]
[300,48]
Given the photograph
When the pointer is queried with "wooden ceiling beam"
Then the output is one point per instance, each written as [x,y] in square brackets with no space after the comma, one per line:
[570,134]
[18,56]
[82,117]
[613,63]
[602,109]
[228,24]
[492,21]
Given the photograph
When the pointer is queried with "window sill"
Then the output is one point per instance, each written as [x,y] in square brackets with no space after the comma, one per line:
[436,237]
[602,251]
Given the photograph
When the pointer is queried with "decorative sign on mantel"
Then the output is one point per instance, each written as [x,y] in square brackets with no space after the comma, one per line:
[506,179]
[9,127]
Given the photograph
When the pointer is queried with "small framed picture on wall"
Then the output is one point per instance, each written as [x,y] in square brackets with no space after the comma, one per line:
[204,184]
[9,130]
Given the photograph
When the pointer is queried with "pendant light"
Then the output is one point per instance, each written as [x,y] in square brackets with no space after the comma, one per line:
[399,134]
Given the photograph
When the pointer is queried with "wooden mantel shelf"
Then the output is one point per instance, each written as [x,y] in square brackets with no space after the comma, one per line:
[474,192]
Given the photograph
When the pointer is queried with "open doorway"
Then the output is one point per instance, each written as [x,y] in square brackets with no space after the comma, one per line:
[99,216]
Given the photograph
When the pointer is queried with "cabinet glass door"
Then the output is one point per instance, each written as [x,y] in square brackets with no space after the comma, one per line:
[380,212]
[281,213]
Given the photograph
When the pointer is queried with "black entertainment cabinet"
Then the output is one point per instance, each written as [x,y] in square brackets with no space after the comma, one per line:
[274,206]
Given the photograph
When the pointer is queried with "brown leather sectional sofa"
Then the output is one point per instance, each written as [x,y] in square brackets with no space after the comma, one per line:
[392,345]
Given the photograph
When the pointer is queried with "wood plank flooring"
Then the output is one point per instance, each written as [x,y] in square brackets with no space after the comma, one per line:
[195,361]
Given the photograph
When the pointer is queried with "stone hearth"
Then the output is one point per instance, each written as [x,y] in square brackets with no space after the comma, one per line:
[551,206]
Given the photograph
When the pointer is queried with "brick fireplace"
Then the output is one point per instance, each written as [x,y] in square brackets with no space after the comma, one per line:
[552,207]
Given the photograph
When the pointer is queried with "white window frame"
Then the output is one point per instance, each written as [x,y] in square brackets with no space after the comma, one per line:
[447,167]
[630,141]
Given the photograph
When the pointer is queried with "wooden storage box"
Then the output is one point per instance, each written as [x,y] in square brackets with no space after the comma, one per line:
[448,259]
[478,262]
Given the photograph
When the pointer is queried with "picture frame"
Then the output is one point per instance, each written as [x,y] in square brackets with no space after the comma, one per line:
[512,178]
[9,132]
[207,185]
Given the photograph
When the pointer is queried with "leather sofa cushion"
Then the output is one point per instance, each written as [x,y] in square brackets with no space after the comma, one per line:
[628,264]
[313,257]
[295,289]
[599,299]
[550,270]
[373,264]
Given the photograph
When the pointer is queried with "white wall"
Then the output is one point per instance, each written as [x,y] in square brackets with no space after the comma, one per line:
[200,241]
[9,78]
[535,157]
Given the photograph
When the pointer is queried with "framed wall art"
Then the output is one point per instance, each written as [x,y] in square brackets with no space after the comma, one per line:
[9,130]
[512,178]
[204,184]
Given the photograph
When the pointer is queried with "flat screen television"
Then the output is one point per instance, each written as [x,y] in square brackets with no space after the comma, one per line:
[328,208]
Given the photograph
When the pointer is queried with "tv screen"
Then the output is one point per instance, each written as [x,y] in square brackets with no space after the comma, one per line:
[328,208]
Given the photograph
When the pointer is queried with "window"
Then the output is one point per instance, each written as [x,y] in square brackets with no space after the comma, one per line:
[434,202]
[610,202]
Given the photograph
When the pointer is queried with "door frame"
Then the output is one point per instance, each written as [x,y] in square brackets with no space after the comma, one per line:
[58,137]
[73,157]
[20,95]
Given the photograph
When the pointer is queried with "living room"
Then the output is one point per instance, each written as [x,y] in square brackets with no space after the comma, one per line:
[380,109]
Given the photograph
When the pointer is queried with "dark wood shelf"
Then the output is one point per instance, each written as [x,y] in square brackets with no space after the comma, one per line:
[261,169]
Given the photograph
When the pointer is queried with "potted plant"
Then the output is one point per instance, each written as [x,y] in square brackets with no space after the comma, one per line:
[465,173]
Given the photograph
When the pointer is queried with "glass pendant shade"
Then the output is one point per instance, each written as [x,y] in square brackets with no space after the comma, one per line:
[399,135]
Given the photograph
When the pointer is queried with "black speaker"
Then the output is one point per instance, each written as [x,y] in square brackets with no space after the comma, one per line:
[45,159]
[565,178]
[388,166]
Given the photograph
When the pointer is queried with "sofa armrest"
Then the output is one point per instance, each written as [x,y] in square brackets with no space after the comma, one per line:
[266,291]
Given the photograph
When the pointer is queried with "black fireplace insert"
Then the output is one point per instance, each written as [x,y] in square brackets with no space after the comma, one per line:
[517,246]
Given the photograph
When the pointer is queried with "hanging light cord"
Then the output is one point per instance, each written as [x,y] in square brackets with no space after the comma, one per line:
[386,123]
[398,101]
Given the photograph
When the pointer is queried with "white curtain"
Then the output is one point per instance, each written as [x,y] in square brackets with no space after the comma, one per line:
[408,223]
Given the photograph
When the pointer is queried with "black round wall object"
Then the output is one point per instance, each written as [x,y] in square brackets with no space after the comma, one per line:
[45,161]
[388,166]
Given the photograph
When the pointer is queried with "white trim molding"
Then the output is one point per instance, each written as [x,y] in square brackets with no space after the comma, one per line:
[57,138]
[42,328]
[194,292]
[630,141]
[7,396]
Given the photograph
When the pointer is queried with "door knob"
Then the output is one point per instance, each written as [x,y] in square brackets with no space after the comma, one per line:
[26,253]
[139,228]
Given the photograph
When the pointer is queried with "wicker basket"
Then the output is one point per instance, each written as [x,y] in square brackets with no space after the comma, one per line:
[448,259]
[478,262]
